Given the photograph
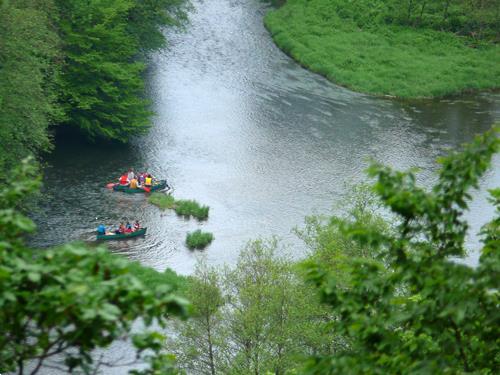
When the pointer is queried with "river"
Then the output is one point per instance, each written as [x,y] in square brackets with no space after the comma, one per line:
[242,128]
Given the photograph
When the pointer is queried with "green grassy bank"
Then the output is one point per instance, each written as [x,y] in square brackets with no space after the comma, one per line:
[152,278]
[352,45]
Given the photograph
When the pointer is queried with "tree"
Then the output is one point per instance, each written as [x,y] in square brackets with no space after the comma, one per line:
[274,320]
[256,318]
[201,341]
[104,45]
[29,53]
[101,91]
[418,310]
[63,303]
[147,19]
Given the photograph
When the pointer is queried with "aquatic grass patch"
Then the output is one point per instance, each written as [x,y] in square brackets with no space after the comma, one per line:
[191,208]
[198,239]
[378,58]
[182,207]
[163,201]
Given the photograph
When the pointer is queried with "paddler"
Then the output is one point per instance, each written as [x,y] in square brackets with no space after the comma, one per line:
[130,174]
[137,226]
[124,181]
[133,183]
[148,181]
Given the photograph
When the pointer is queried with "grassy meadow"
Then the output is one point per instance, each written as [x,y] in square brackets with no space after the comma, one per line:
[381,59]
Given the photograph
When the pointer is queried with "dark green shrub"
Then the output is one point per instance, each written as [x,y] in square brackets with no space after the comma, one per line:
[198,239]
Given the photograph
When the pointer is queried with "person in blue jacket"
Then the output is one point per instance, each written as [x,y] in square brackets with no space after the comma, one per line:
[101,229]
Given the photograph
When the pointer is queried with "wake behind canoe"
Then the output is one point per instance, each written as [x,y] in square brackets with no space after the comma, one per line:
[122,236]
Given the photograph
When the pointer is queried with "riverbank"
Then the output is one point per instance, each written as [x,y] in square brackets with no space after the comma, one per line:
[152,278]
[381,59]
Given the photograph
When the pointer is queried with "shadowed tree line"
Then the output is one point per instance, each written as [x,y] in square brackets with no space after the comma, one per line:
[479,19]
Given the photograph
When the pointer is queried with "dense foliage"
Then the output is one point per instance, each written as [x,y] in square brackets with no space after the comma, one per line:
[104,42]
[254,318]
[29,68]
[415,309]
[58,305]
[102,83]
[79,63]
[406,49]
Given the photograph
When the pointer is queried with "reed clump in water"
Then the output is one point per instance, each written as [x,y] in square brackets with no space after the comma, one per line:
[191,208]
[182,207]
[198,239]
[163,201]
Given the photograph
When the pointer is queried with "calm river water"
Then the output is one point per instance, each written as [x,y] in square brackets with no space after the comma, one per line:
[242,128]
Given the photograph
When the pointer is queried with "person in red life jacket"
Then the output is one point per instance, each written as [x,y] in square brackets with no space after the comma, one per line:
[121,229]
[124,181]
[137,226]
[128,227]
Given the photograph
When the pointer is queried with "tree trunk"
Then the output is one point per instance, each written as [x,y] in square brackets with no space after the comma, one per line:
[446,6]
[410,9]
[421,13]
[20,368]
[210,347]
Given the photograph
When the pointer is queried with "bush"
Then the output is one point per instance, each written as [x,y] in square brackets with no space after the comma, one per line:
[413,308]
[198,239]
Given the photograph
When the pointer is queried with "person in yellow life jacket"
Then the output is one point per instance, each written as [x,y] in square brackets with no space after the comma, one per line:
[133,183]
[148,181]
